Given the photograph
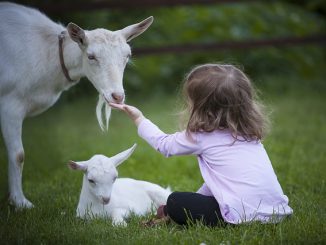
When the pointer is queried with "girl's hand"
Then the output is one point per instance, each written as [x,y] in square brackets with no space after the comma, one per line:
[135,114]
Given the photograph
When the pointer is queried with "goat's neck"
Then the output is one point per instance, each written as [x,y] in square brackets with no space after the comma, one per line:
[72,55]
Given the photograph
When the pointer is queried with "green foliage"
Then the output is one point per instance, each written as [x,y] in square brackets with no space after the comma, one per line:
[223,23]
[213,24]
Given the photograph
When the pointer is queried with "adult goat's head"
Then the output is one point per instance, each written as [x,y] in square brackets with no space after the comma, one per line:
[101,173]
[104,57]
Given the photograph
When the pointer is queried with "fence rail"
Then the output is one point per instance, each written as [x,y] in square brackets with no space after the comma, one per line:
[60,8]
[226,45]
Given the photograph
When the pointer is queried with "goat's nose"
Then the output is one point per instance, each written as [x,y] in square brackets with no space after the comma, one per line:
[106,200]
[118,97]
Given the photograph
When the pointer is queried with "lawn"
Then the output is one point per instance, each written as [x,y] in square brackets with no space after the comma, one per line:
[69,130]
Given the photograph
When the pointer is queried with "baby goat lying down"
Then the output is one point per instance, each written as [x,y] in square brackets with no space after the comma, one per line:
[105,195]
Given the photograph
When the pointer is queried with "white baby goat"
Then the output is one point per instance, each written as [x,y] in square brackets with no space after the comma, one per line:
[105,195]
[39,59]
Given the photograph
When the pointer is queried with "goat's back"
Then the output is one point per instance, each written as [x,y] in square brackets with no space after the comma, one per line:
[138,196]
[27,39]
[19,15]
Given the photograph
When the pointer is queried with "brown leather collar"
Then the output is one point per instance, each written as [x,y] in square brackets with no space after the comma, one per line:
[62,62]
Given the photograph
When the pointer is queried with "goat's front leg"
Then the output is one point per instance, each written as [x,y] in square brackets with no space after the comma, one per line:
[11,126]
[118,217]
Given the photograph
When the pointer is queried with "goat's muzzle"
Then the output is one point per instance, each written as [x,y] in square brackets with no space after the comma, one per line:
[118,97]
[105,200]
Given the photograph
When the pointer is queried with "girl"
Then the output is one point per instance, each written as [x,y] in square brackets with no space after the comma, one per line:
[224,130]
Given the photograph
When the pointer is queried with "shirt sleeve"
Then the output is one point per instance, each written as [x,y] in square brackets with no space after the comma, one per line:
[168,144]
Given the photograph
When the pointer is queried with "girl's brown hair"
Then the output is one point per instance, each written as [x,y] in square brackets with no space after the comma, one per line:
[222,97]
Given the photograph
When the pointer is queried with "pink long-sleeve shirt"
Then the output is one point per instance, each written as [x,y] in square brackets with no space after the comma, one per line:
[240,175]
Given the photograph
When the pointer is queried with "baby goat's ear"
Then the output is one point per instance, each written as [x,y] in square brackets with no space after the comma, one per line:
[77,166]
[122,156]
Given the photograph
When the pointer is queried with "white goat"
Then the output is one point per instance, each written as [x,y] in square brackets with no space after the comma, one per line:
[105,195]
[39,60]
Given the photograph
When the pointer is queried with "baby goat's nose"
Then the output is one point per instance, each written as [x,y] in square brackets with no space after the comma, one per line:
[105,200]
[118,97]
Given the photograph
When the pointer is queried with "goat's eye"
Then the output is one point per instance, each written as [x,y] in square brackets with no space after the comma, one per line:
[128,60]
[91,57]
[128,57]
[91,181]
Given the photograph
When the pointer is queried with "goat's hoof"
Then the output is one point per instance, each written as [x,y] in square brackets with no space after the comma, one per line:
[21,203]
[120,223]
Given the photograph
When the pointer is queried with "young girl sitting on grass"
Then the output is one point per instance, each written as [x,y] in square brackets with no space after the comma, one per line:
[224,130]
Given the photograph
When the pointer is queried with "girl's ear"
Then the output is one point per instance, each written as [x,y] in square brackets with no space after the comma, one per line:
[77,166]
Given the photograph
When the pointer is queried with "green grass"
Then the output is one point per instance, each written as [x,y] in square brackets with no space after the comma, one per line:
[69,130]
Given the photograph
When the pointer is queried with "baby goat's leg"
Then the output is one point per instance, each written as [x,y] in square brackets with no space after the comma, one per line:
[118,216]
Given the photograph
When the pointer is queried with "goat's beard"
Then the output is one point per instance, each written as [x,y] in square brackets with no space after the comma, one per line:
[104,124]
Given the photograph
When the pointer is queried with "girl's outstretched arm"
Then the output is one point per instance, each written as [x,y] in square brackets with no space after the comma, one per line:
[134,113]
[167,144]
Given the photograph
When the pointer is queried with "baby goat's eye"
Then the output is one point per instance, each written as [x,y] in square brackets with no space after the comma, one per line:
[91,181]
[91,57]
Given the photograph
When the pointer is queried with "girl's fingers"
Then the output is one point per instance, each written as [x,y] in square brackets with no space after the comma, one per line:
[131,111]
[122,107]
[127,109]
[116,106]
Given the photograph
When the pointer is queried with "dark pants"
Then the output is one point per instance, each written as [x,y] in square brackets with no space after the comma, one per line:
[185,207]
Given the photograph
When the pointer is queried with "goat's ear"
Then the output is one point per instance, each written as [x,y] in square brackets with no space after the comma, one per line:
[77,166]
[135,30]
[77,34]
[122,156]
